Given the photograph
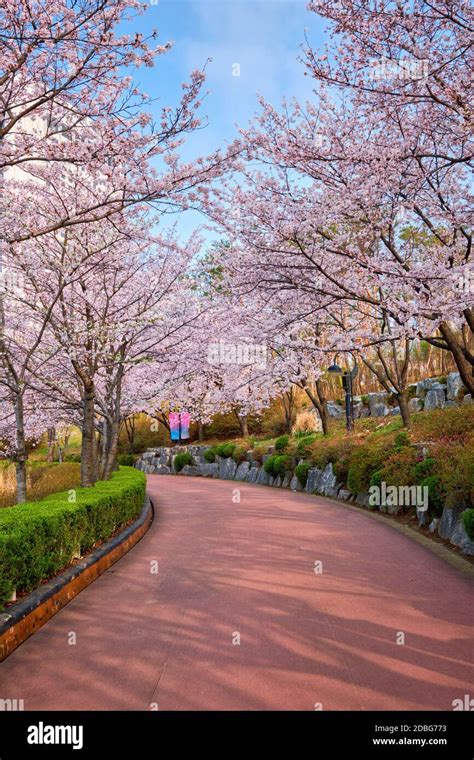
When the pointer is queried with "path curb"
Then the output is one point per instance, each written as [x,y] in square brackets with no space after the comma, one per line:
[21,620]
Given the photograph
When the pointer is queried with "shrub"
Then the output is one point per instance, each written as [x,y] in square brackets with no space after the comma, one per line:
[225,450]
[37,539]
[278,465]
[281,442]
[468,522]
[377,478]
[399,467]
[401,439]
[424,468]
[363,462]
[304,442]
[301,472]
[210,455]
[72,458]
[239,453]
[127,460]
[181,460]
[436,495]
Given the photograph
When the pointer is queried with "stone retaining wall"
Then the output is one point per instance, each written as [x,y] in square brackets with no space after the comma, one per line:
[160,461]
[425,395]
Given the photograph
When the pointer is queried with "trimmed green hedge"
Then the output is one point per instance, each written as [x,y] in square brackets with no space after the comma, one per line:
[38,539]
[181,460]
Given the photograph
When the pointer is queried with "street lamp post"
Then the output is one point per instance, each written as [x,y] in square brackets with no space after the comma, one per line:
[348,377]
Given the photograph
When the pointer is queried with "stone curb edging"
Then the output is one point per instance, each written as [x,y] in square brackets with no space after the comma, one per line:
[25,617]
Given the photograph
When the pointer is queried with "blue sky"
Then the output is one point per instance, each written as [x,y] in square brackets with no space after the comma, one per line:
[262,36]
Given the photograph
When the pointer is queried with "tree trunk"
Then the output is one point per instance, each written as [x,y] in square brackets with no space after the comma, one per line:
[200,431]
[51,443]
[465,368]
[244,425]
[21,454]
[319,402]
[111,461]
[88,438]
[402,398]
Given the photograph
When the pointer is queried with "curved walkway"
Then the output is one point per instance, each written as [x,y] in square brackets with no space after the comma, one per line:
[230,570]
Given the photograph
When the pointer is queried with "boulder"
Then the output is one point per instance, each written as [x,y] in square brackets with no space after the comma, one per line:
[433,525]
[362,499]
[209,469]
[460,538]
[334,410]
[434,399]
[422,515]
[449,518]
[189,469]
[358,406]
[415,404]
[394,411]
[454,386]
[286,480]
[313,480]
[328,481]
[467,399]
[380,410]
[295,484]
[252,475]
[242,471]
[364,412]
[277,482]
[227,468]
[344,495]
[263,478]
[162,469]
[376,399]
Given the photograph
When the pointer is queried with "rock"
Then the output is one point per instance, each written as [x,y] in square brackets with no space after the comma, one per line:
[252,475]
[433,525]
[286,480]
[162,469]
[362,499]
[434,399]
[358,406]
[467,399]
[454,386]
[364,412]
[265,457]
[394,411]
[448,521]
[376,399]
[415,404]
[460,538]
[209,469]
[277,482]
[189,469]
[334,410]
[422,387]
[263,478]
[242,471]
[333,491]
[450,405]
[328,480]
[344,495]
[295,484]
[313,480]
[422,515]
[250,456]
[227,468]
[379,410]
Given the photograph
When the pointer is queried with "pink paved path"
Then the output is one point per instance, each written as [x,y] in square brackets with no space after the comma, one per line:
[305,638]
